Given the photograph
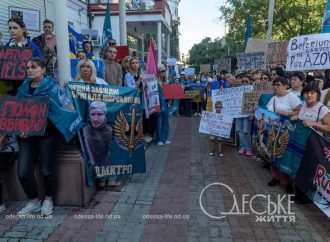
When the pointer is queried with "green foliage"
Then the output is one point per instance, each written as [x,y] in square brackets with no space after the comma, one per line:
[291,18]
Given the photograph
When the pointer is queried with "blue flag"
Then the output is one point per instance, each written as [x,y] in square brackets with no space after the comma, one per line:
[326,19]
[112,139]
[107,30]
[249,29]
[75,41]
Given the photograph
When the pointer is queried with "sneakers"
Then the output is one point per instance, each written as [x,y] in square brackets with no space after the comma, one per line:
[33,206]
[241,151]
[160,143]
[167,142]
[248,153]
[211,154]
[47,207]
[220,154]
[147,139]
[2,208]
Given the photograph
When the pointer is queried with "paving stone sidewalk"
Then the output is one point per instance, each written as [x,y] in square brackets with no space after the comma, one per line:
[163,205]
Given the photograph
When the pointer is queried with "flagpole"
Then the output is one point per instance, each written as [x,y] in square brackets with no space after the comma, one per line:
[62,41]
[122,22]
[270,20]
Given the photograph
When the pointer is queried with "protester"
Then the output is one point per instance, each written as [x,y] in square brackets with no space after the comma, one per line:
[133,77]
[265,77]
[48,28]
[313,113]
[125,65]
[288,105]
[297,82]
[19,37]
[283,103]
[50,54]
[8,152]
[215,144]
[86,72]
[42,147]
[243,127]
[163,118]
[88,49]
[81,55]
[277,72]
[113,71]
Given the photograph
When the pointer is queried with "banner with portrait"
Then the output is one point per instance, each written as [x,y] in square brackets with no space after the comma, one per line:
[150,95]
[112,138]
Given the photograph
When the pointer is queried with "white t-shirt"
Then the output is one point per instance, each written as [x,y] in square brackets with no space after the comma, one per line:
[315,113]
[283,104]
[297,93]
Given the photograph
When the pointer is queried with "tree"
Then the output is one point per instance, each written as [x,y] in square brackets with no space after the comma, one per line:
[206,52]
[291,18]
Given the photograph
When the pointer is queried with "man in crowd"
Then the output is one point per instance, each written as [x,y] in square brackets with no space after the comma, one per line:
[48,27]
[113,71]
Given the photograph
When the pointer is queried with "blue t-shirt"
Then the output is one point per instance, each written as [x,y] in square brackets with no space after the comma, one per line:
[215,85]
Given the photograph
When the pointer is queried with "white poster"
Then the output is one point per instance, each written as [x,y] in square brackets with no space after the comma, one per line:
[216,124]
[232,100]
[251,61]
[151,95]
[309,52]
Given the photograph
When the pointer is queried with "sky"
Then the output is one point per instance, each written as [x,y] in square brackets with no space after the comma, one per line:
[199,19]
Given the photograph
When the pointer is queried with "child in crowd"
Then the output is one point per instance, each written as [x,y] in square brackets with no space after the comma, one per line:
[214,141]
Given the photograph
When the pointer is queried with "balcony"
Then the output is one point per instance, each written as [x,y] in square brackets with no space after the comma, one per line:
[133,7]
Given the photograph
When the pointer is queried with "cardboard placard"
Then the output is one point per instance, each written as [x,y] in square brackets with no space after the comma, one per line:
[251,61]
[26,116]
[256,45]
[277,53]
[13,63]
[223,64]
[191,94]
[205,68]
[250,102]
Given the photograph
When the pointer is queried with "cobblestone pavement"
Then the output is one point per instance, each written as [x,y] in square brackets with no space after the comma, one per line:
[163,205]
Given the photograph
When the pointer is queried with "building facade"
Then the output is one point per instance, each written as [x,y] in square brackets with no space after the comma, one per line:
[145,19]
[34,12]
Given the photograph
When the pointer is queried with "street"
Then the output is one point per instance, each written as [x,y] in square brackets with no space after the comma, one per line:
[163,204]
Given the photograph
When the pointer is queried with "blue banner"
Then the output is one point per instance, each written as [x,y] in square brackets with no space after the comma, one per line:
[112,137]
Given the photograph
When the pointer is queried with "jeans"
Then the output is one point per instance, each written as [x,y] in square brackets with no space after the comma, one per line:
[243,127]
[34,149]
[163,126]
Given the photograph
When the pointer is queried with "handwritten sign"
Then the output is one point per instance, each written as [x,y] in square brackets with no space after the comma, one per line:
[309,52]
[151,95]
[191,94]
[13,63]
[277,53]
[223,64]
[205,68]
[251,61]
[26,116]
[216,124]
[232,100]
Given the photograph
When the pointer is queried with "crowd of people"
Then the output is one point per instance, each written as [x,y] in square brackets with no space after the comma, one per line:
[303,96]
[296,96]
[42,81]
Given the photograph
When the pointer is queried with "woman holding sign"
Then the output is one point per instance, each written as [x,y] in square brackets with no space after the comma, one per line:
[287,105]
[42,148]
